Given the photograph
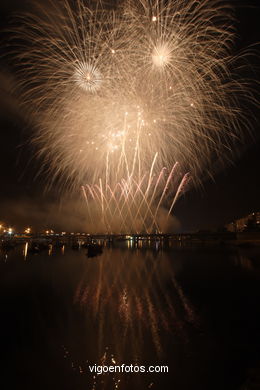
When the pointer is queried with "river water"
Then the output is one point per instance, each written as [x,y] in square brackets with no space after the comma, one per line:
[194,310]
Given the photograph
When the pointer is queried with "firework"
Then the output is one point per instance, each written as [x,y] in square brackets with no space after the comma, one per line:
[115,92]
[134,206]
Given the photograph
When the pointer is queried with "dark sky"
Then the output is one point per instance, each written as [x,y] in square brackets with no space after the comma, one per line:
[23,200]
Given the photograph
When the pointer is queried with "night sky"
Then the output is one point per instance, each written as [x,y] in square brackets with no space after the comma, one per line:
[24,201]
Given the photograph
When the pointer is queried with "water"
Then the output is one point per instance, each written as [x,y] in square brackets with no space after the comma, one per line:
[195,310]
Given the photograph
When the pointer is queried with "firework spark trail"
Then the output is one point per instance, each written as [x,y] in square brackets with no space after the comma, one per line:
[130,201]
[132,206]
[88,208]
[117,208]
[165,189]
[181,188]
[117,93]
[138,213]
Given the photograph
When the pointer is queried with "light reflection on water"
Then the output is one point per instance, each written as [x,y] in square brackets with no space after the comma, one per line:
[25,251]
[134,304]
[126,294]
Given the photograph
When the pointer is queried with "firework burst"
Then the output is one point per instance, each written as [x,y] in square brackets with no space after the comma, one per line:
[114,92]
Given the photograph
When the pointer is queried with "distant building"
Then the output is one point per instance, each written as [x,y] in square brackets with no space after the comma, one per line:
[249,223]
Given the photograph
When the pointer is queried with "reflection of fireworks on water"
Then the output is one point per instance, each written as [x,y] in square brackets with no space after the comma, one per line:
[135,312]
[111,89]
